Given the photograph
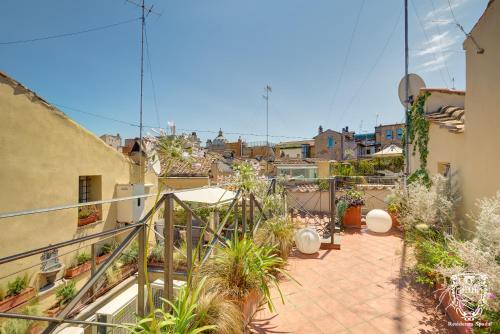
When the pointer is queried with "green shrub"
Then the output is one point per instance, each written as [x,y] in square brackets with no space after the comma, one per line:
[2,293]
[20,326]
[65,292]
[82,258]
[429,255]
[131,254]
[277,232]
[240,266]
[107,248]
[17,286]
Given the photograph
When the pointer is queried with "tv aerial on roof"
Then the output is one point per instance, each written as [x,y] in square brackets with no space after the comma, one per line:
[415,83]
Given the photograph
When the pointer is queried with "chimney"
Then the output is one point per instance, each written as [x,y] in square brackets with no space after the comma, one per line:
[320,130]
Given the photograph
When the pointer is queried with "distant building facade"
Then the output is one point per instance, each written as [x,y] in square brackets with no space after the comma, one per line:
[112,140]
[333,145]
[300,149]
[388,134]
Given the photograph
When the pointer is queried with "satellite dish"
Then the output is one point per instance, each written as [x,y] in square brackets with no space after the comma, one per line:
[415,84]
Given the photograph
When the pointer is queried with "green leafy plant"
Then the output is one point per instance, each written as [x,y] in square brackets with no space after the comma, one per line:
[240,266]
[430,255]
[341,208]
[418,130]
[246,176]
[277,232]
[184,318]
[87,211]
[352,198]
[131,254]
[17,286]
[21,326]
[2,293]
[82,258]
[107,248]
[66,292]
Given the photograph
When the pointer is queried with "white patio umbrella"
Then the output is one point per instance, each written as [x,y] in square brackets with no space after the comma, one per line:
[390,151]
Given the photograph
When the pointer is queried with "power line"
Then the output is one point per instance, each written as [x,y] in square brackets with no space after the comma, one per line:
[151,76]
[379,58]
[480,50]
[347,55]
[162,128]
[428,41]
[22,41]
[440,36]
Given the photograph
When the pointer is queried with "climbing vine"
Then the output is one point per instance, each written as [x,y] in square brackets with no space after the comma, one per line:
[418,131]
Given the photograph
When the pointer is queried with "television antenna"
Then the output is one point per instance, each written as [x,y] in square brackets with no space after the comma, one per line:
[268,90]
[145,13]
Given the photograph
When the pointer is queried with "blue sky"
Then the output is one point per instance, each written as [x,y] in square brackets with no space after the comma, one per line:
[211,60]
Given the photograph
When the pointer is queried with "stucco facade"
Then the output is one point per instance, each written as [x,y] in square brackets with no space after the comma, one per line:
[44,155]
[473,154]
[388,134]
[482,104]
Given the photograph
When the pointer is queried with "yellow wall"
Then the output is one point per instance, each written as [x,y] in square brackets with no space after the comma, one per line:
[474,154]
[44,152]
[482,104]
[323,169]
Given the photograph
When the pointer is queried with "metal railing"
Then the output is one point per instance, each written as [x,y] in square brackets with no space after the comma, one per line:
[138,230]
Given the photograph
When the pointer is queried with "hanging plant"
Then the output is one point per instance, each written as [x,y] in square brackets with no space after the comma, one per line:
[418,131]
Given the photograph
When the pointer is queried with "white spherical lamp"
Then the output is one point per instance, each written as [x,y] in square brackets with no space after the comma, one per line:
[307,241]
[378,221]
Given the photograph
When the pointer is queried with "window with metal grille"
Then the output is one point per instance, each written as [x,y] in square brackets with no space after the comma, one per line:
[84,189]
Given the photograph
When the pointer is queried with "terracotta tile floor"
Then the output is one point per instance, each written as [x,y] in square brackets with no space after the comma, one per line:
[358,289]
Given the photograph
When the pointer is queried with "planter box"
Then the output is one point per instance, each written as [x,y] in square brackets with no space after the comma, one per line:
[442,295]
[250,305]
[352,217]
[88,220]
[54,311]
[101,259]
[13,301]
[78,270]
[155,264]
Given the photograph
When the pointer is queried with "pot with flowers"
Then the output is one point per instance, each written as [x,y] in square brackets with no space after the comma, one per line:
[87,215]
[354,200]
[393,208]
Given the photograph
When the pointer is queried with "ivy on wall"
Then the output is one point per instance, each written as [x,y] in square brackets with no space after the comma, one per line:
[418,132]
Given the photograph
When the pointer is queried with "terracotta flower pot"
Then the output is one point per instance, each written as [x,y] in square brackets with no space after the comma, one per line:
[155,264]
[78,270]
[101,259]
[250,305]
[352,217]
[54,310]
[395,221]
[441,294]
[88,220]
[13,301]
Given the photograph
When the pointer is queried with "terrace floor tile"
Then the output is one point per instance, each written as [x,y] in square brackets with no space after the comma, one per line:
[357,289]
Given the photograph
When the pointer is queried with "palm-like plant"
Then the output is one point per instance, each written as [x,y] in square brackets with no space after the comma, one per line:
[184,317]
[277,232]
[240,266]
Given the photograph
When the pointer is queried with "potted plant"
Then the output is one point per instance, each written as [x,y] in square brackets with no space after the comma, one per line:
[104,253]
[354,200]
[243,272]
[87,215]
[156,257]
[81,265]
[18,292]
[64,294]
[129,260]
